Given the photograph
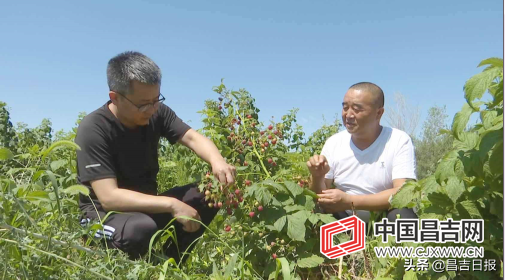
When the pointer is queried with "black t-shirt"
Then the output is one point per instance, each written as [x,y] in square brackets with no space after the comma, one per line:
[111,150]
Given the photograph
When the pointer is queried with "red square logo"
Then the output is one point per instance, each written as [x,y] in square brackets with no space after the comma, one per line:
[357,242]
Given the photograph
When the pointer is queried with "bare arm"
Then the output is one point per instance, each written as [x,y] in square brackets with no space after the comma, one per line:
[378,201]
[201,145]
[113,198]
[206,150]
[318,167]
[320,183]
[335,200]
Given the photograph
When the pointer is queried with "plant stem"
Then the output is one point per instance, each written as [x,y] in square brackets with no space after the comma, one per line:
[54,241]
[254,144]
[340,267]
[55,256]
[391,268]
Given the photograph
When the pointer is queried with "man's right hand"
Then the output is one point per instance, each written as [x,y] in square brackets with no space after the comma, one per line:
[318,166]
[179,209]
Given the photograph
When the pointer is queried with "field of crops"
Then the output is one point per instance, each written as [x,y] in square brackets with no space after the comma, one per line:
[268,225]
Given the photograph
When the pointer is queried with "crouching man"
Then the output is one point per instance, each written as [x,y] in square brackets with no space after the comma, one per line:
[118,161]
[366,163]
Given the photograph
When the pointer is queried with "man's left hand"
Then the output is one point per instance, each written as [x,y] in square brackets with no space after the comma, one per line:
[224,172]
[334,200]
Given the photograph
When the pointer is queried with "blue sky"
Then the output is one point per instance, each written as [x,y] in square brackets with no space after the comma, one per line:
[288,54]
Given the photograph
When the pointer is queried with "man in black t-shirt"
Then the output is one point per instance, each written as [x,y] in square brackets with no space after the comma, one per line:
[118,161]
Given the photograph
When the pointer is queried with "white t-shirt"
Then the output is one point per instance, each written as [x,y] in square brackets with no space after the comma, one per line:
[354,171]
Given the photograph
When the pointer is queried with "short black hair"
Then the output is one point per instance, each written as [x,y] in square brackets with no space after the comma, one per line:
[372,88]
[131,66]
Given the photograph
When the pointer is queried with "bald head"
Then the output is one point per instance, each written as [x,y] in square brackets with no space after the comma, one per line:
[373,89]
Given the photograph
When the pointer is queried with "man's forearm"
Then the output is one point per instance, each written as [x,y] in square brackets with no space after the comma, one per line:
[204,148]
[373,202]
[318,184]
[124,200]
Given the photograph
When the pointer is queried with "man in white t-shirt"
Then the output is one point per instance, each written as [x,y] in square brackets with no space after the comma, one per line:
[366,163]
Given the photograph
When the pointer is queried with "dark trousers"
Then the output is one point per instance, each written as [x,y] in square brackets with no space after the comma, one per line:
[131,232]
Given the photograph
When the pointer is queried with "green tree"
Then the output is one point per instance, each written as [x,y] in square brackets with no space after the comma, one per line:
[432,144]
[7,132]
[28,137]
[402,115]
[468,180]
[316,141]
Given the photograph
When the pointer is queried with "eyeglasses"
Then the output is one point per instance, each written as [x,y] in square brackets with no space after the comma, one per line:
[146,107]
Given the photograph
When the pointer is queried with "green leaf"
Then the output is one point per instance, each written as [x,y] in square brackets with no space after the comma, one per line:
[76,189]
[494,61]
[488,118]
[275,202]
[58,144]
[496,90]
[291,208]
[38,195]
[313,218]
[497,205]
[497,123]
[293,188]
[57,164]
[471,163]
[445,168]
[410,275]
[468,140]
[288,201]
[441,276]
[312,261]
[309,203]
[429,185]
[54,182]
[163,272]
[231,266]
[404,196]
[37,175]
[455,188]
[435,209]
[271,214]
[13,171]
[251,191]
[285,199]
[440,199]
[469,208]
[296,226]
[5,154]
[306,200]
[310,193]
[283,262]
[277,186]
[308,246]
[461,119]
[226,151]
[279,224]
[496,159]
[489,139]
[275,273]
[263,195]
[477,85]
[168,164]
[242,168]
[326,218]
[431,216]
